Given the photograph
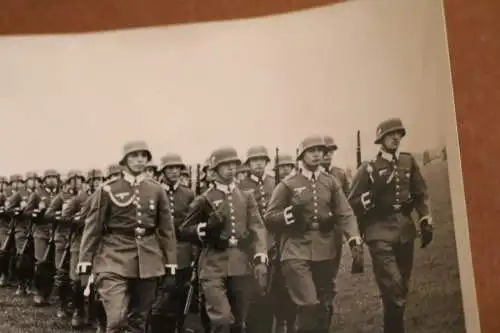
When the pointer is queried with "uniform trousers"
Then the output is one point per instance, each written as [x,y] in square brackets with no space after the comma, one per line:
[168,307]
[23,273]
[41,237]
[310,286]
[4,234]
[226,302]
[126,301]
[62,281]
[392,266]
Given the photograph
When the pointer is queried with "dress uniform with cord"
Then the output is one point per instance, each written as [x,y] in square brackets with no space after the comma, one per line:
[128,243]
[384,193]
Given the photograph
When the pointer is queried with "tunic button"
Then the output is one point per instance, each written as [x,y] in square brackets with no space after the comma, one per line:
[139,214]
[315,211]
[233,218]
[136,191]
[231,210]
[314,185]
[233,231]
[233,224]
[171,198]
[139,222]
[315,204]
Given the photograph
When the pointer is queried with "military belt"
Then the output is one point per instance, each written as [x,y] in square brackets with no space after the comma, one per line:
[137,232]
[388,209]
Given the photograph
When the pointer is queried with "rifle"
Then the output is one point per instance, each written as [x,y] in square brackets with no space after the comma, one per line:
[358,149]
[357,268]
[27,255]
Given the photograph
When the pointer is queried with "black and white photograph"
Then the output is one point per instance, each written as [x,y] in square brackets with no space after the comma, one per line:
[294,173]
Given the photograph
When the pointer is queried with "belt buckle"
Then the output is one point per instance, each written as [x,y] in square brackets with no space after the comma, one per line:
[396,207]
[233,241]
[315,226]
[139,232]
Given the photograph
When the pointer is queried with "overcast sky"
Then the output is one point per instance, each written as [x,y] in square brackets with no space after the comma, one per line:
[71,101]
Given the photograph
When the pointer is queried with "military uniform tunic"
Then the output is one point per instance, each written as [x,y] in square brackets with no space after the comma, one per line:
[17,202]
[309,244]
[397,188]
[4,219]
[37,204]
[128,238]
[225,262]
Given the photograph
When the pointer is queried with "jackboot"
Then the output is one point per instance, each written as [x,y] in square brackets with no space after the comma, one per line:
[21,289]
[3,281]
[78,301]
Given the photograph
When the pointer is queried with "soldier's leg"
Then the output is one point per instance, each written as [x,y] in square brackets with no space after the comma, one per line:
[240,290]
[260,311]
[217,305]
[20,236]
[4,269]
[142,296]
[42,280]
[302,291]
[163,311]
[113,292]
[322,273]
[182,278]
[77,298]
[62,284]
[391,283]
[404,258]
[339,242]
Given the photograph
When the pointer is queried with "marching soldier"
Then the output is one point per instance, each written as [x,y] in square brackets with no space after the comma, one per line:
[129,242]
[226,223]
[75,212]
[337,172]
[384,192]
[5,192]
[286,165]
[113,171]
[185,178]
[14,207]
[151,170]
[72,186]
[283,306]
[341,177]
[241,173]
[304,209]
[35,208]
[167,314]
[261,185]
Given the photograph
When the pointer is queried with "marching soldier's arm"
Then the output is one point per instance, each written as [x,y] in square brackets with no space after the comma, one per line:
[345,182]
[79,217]
[53,211]
[188,230]
[418,188]
[359,189]
[68,212]
[166,232]
[12,203]
[344,215]
[257,230]
[279,212]
[92,231]
[31,209]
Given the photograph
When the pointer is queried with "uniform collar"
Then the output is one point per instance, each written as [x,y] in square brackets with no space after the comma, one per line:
[257,179]
[308,174]
[133,180]
[225,188]
[172,187]
[388,156]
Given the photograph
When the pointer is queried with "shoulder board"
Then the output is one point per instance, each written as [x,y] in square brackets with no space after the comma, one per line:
[290,176]
[153,181]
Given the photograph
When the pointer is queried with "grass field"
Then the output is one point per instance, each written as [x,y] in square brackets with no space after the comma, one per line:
[435,304]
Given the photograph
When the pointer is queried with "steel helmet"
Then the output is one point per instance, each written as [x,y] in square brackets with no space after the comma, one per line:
[310,142]
[133,147]
[389,126]
[224,155]
[257,152]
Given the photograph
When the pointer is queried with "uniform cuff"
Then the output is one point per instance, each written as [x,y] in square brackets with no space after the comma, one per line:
[356,239]
[260,258]
[171,269]
[426,217]
[84,267]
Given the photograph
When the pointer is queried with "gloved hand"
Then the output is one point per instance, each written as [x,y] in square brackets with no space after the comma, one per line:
[326,223]
[168,281]
[426,231]
[358,259]
[260,275]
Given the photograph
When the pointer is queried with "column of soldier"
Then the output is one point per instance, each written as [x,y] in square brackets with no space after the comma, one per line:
[144,246]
